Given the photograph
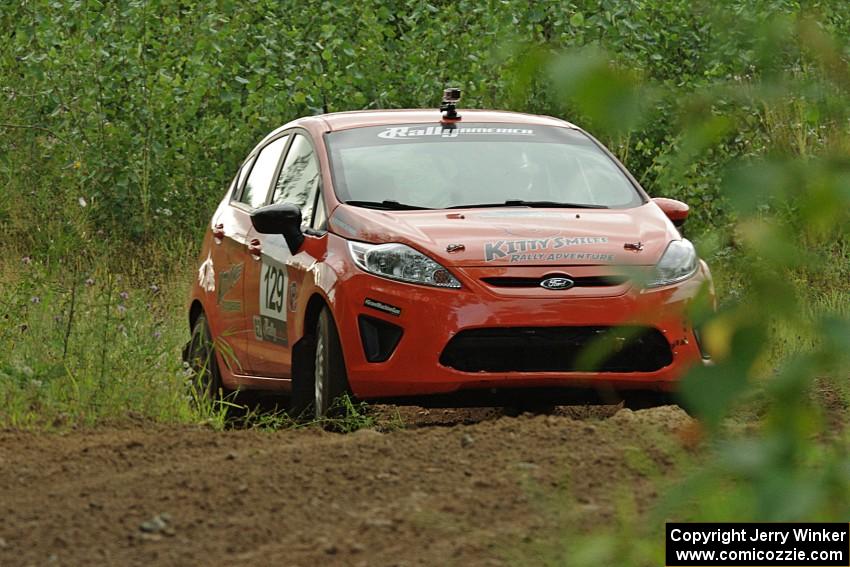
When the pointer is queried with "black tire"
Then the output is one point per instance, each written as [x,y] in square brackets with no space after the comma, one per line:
[319,372]
[648,399]
[206,381]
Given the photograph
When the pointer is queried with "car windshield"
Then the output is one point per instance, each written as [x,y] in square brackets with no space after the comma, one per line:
[431,166]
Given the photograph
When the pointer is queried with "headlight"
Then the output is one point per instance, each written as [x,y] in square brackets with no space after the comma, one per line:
[679,262]
[401,262]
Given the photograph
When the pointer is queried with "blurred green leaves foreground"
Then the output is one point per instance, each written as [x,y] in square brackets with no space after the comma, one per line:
[781,336]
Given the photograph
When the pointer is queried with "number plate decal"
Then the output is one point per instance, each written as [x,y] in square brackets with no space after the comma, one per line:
[271,323]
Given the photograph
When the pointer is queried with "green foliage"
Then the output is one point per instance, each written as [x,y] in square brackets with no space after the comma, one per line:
[84,347]
[775,141]
[145,108]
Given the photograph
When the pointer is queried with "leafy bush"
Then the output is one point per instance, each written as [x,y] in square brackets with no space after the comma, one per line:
[144,109]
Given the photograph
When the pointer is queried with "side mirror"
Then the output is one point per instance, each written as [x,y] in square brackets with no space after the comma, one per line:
[282,218]
[676,211]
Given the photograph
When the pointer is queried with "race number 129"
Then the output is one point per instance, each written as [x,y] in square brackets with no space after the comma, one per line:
[273,290]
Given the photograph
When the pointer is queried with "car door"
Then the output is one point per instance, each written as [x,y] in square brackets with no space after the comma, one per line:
[225,262]
[235,224]
[267,291]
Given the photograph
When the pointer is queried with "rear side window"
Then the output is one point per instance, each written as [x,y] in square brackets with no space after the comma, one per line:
[257,187]
[299,177]
[239,181]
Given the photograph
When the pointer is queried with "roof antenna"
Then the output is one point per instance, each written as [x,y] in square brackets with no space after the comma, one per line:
[448,107]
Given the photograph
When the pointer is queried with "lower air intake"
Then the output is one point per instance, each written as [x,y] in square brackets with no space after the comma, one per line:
[558,349]
[379,338]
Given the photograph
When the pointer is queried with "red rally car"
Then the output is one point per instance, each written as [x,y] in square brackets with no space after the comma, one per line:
[414,252]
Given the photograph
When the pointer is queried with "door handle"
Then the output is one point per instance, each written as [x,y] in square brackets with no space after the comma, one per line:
[255,249]
[218,231]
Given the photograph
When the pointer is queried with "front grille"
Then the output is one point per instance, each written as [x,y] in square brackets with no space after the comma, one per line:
[585,281]
[558,349]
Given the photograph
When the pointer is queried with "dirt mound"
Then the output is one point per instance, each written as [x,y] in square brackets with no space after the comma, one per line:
[454,487]
[413,416]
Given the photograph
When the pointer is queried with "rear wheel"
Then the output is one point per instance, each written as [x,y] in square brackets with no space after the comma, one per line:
[206,382]
[322,380]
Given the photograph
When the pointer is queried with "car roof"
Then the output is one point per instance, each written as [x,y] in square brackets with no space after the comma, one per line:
[336,121]
[361,118]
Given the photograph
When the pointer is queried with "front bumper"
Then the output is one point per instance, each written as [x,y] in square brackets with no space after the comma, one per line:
[431,317]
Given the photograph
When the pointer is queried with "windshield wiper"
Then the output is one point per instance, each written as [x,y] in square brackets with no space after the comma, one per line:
[532,204]
[554,205]
[387,206]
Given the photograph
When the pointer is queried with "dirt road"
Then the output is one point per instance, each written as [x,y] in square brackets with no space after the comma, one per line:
[454,487]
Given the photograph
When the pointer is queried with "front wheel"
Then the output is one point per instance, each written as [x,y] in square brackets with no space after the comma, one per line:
[322,380]
[639,400]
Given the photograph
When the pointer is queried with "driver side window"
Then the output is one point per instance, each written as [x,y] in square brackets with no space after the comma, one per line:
[299,178]
[259,179]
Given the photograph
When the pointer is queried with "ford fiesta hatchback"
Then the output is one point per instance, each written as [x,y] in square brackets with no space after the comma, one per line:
[413,252]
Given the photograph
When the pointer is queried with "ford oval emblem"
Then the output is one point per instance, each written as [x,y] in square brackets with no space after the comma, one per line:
[557,283]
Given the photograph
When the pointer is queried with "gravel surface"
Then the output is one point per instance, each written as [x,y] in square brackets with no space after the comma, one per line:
[453,487]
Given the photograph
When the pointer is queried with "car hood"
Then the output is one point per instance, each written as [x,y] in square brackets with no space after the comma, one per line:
[516,236]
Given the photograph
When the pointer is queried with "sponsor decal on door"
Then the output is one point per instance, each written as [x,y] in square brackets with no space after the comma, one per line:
[227,280]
